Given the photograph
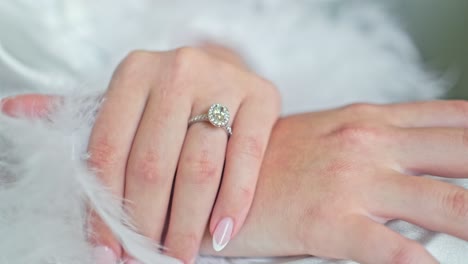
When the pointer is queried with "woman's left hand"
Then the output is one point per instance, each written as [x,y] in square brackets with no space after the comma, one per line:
[141,141]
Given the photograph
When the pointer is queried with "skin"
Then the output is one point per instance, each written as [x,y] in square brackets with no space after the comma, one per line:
[154,94]
[329,180]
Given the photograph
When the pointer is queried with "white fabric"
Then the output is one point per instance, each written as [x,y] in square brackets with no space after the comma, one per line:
[319,53]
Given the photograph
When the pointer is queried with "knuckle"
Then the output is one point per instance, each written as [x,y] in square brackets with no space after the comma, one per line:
[186,60]
[246,192]
[134,64]
[244,195]
[362,109]
[275,96]
[204,170]
[137,56]
[148,170]
[102,154]
[184,54]
[359,134]
[460,107]
[405,253]
[456,203]
[133,59]
[268,88]
[250,147]
[185,57]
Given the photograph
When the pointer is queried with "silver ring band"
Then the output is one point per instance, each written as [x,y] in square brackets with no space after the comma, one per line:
[218,115]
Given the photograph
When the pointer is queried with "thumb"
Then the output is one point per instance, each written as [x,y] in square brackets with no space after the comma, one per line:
[28,105]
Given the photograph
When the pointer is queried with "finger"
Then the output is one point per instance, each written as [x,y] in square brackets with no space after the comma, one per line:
[375,243]
[429,203]
[110,143]
[434,151]
[153,161]
[197,182]
[430,114]
[28,105]
[244,156]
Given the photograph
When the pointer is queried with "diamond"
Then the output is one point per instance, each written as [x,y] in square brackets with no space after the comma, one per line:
[218,115]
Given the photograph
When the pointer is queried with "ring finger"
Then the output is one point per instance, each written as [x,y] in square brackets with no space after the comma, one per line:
[197,182]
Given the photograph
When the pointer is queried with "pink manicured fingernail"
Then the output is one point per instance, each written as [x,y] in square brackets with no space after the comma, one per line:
[4,99]
[2,103]
[132,261]
[9,107]
[104,255]
[222,233]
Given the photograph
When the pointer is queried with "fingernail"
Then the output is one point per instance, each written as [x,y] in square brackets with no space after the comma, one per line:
[222,233]
[104,255]
[7,106]
[8,98]
[2,103]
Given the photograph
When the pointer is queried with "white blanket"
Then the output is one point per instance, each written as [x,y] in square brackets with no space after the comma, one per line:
[319,53]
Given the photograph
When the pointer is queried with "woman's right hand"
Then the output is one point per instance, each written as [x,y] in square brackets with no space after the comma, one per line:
[331,179]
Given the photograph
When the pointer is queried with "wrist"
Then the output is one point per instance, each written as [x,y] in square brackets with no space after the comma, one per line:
[273,226]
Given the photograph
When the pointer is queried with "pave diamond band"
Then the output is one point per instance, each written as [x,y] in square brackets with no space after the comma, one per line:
[218,115]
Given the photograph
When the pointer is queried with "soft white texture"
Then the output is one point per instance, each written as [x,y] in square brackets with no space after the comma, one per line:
[319,53]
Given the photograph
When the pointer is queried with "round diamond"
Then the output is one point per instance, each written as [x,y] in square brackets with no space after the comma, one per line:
[218,115]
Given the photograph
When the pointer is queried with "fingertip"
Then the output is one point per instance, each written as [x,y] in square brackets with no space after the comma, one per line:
[103,239]
[5,106]
[223,233]
[107,247]
[104,255]
[107,251]
[9,106]
[27,105]
[228,207]
[233,202]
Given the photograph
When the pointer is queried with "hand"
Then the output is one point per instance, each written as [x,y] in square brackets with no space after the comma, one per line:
[331,179]
[140,140]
